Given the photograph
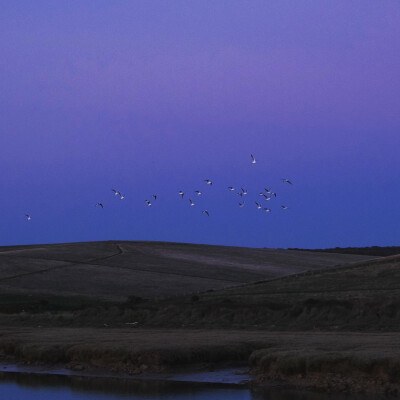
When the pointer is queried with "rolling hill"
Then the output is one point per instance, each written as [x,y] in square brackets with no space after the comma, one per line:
[363,296]
[117,269]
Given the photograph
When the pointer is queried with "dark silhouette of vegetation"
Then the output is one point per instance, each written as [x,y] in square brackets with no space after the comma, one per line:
[135,300]
[366,251]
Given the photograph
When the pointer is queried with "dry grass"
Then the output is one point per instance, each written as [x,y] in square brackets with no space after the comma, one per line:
[361,296]
[235,324]
[351,361]
[116,270]
[126,349]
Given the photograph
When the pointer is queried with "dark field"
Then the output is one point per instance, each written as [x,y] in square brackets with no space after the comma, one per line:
[315,319]
[363,296]
[116,270]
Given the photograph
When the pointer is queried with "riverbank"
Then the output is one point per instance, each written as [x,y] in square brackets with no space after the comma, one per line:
[194,374]
[339,361]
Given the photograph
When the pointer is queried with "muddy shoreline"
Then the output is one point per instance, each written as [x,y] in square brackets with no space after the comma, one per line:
[196,374]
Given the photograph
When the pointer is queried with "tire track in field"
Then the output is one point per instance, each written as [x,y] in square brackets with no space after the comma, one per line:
[92,262]
[71,264]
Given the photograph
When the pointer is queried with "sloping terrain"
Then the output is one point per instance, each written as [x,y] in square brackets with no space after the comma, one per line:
[289,313]
[370,280]
[360,296]
[116,270]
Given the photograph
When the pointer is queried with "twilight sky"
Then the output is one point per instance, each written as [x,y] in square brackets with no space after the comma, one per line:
[155,96]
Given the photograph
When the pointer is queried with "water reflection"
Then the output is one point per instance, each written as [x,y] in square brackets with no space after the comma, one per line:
[46,387]
[49,387]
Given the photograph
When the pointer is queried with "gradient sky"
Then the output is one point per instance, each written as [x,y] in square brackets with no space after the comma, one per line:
[155,96]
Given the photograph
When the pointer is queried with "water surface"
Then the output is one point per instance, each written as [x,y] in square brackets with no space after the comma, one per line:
[15,386]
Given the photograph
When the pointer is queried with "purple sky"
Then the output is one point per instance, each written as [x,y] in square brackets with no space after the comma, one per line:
[156,96]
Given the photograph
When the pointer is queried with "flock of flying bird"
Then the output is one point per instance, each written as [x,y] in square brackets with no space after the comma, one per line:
[267,194]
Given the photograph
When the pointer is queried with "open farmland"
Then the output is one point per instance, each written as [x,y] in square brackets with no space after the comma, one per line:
[313,319]
[116,270]
[360,296]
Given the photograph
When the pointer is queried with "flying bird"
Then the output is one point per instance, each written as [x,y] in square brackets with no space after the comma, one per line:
[148,202]
[181,194]
[258,206]
[154,196]
[121,196]
[241,204]
[208,182]
[244,191]
[197,192]
[191,202]
[116,192]
[286,181]
[267,210]
[253,160]
[99,205]
[28,217]
[265,196]
[206,212]
[284,207]
[231,188]
[268,191]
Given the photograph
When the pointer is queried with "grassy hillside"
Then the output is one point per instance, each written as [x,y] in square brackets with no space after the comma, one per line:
[288,313]
[364,296]
[114,271]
